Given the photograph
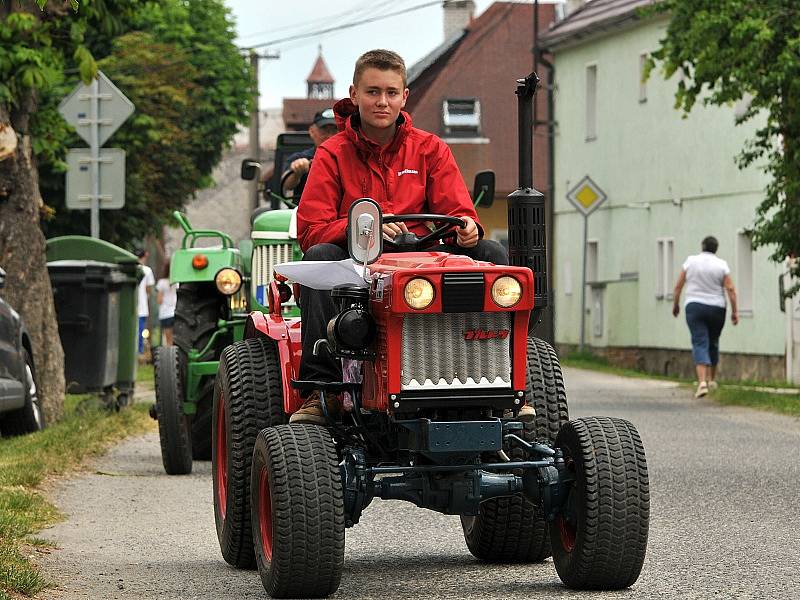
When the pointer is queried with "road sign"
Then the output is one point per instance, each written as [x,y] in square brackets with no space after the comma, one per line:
[586,196]
[111,168]
[113,108]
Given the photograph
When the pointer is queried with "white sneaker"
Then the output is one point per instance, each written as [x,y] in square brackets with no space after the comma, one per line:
[702,390]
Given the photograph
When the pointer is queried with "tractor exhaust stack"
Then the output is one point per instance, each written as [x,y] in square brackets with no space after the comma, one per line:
[527,237]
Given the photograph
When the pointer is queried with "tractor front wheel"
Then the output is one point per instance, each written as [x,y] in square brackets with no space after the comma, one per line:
[600,537]
[248,396]
[297,511]
[173,424]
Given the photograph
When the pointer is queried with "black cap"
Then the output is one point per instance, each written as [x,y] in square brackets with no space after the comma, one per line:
[324,117]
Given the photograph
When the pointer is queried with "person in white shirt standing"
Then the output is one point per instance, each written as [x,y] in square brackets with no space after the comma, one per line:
[707,278]
[167,297]
[144,290]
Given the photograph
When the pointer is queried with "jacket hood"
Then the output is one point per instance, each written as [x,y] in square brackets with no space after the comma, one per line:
[349,121]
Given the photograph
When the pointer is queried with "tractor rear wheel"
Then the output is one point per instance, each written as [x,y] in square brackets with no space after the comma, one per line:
[248,396]
[197,312]
[511,528]
[173,424]
[600,538]
[298,511]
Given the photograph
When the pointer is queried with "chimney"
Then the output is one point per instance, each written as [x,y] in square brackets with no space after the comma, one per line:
[457,16]
[572,6]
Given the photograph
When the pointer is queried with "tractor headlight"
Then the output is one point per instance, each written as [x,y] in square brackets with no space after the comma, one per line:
[506,291]
[228,281]
[419,293]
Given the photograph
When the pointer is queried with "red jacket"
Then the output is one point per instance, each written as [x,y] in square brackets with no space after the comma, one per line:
[415,173]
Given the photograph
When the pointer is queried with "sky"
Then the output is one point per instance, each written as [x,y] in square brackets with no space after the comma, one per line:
[412,34]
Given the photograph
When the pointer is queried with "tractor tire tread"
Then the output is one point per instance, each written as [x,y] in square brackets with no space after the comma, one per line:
[612,543]
[250,372]
[173,427]
[308,509]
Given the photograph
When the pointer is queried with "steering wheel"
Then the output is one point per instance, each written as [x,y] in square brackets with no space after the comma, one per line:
[410,242]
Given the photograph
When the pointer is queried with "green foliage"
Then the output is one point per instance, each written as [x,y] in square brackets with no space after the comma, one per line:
[177,62]
[730,50]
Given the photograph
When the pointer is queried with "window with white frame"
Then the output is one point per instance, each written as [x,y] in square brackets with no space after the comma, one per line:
[744,273]
[665,268]
[592,261]
[461,117]
[642,81]
[591,102]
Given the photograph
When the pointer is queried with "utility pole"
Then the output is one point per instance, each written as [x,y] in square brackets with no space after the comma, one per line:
[255,116]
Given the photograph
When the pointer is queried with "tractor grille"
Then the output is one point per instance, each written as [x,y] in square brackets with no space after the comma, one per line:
[436,353]
[462,292]
[264,260]
[266,257]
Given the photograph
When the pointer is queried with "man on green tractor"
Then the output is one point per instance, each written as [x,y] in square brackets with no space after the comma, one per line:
[378,154]
[293,180]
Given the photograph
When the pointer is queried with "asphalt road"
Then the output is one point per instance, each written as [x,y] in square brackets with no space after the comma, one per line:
[724,490]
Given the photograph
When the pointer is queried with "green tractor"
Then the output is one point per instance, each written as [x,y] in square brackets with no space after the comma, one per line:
[212,306]
[217,288]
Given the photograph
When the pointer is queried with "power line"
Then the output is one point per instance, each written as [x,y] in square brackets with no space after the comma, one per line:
[341,27]
[364,7]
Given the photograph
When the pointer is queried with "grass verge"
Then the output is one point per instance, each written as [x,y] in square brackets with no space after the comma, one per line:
[26,461]
[587,360]
[739,393]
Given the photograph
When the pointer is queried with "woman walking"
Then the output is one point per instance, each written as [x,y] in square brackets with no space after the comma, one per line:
[707,278]
[167,300]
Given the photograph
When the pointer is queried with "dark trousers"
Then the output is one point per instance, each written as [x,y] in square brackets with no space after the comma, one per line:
[705,325]
[317,307]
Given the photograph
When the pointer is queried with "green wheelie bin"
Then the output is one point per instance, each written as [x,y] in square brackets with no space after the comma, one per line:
[97,280]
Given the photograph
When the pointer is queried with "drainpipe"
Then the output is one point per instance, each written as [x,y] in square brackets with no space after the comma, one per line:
[546,329]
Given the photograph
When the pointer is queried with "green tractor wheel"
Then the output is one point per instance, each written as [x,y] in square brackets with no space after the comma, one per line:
[173,424]
[197,314]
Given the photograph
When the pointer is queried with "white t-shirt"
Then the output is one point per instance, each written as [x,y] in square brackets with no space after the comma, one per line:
[166,310]
[147,280]
[705,273]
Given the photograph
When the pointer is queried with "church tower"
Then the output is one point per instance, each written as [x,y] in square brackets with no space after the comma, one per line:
[320,81]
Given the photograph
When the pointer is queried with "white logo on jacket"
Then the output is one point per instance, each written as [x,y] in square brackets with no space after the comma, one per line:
[407,172]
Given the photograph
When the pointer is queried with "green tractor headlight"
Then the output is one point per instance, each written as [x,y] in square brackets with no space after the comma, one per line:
[228,281]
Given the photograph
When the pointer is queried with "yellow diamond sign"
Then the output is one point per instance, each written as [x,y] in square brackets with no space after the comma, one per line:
[586,196]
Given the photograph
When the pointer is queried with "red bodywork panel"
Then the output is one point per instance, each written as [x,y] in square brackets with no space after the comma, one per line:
[388,306]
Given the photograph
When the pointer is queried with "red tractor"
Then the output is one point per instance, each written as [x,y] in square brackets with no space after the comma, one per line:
[437,362]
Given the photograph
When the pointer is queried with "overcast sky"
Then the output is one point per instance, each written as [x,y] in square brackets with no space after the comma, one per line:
[412,34]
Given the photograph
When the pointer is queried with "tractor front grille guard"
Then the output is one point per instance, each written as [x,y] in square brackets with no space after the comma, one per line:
[461,351]
[265,257]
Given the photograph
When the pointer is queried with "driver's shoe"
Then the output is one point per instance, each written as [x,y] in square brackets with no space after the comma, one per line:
[526,414]
[311,411]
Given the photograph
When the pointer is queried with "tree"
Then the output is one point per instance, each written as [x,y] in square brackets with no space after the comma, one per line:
[729,50]
[191,88]
[34,47]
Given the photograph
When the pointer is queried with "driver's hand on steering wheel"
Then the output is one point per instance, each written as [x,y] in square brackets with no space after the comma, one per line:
[468,236]
[390,230]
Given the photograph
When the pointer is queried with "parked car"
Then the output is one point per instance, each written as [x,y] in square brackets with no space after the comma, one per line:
[20,411]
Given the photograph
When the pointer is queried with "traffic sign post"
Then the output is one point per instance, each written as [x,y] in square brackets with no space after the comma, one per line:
[96,111]
[587,198]
[80,185]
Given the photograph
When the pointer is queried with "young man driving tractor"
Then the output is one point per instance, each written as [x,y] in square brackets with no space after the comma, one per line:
[379,154]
